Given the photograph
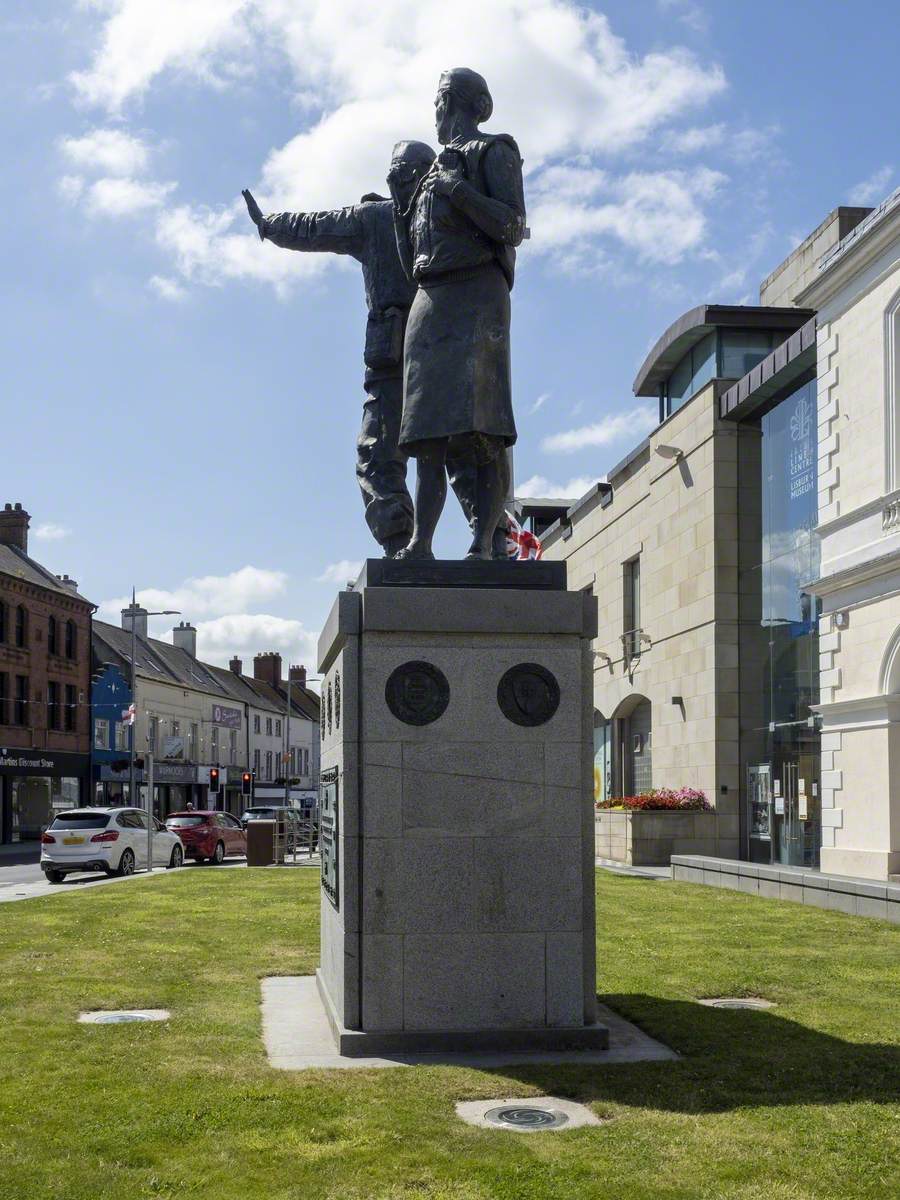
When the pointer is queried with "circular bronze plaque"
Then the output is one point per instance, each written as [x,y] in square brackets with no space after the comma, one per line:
[417,693]
[528,694]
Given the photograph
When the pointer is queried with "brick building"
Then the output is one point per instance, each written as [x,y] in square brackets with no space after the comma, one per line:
[45,687]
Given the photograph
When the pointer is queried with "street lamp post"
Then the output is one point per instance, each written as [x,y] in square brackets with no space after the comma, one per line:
[166,612]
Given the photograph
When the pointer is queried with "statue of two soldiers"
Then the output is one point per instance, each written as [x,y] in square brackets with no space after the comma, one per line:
[438,261]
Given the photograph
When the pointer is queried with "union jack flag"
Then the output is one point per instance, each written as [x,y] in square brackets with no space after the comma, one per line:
[520,544]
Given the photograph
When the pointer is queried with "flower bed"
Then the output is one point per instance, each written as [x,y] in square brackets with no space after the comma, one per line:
[660,800]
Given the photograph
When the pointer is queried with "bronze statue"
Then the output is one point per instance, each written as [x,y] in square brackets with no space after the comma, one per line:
[366,232]
[457,238]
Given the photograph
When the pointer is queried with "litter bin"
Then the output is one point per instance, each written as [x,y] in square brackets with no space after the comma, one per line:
[260,843]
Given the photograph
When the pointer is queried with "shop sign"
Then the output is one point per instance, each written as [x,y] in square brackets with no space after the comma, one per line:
[41,762]
[173,773]
[229,717]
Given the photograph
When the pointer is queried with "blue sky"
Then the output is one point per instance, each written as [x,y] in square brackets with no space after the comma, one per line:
[181,402]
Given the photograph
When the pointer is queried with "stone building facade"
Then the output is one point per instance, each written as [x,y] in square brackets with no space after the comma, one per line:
[672,544]
[45,687]
[856,293]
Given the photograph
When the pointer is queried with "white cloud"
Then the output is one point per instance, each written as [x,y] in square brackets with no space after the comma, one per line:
[636,423]
[209,595]
[116,197]
[107,152]
[543,488]
[50,532]
[657,214]
[70,187]
[167,288]
[690,141]
[205,251]
[345,571]
[688,13]
[367,73]
[540,402]
[246,634]
[873,189]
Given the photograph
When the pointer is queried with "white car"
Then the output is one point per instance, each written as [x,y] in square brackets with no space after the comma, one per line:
[113,840]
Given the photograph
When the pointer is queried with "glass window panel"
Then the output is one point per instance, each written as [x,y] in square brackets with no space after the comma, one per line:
[703,358]
[742,350]
[678,387]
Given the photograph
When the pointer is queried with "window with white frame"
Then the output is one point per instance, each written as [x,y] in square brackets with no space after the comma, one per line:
[101,733]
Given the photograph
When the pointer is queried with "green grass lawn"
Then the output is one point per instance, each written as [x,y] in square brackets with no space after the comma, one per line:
[799,1101]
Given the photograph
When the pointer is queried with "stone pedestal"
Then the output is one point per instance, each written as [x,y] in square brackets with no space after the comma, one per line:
[457,812]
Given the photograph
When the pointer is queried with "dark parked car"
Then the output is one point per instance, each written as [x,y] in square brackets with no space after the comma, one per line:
[208,834]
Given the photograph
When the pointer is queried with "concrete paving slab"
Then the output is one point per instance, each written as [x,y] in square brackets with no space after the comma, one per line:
[298,1037]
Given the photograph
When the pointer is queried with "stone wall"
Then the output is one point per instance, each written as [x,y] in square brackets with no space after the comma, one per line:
[649,839]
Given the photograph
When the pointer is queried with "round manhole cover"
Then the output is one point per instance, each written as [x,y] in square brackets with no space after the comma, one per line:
[123,1016]
[737,1002]
[526,1116]
[120,1018]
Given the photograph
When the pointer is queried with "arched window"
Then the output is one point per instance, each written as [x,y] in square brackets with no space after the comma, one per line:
[52,639]
[21,625]
[633,737]
[71,639]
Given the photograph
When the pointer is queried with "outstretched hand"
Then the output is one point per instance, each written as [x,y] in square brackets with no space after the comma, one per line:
[255,213]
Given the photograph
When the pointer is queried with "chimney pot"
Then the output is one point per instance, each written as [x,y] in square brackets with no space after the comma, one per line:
[236,666]
[137,614]
[298,675]
[267,667]
[14,521]
[184,636]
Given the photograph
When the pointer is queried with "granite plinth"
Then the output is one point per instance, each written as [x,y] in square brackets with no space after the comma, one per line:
[362,1043]
[464,832]
[530,575]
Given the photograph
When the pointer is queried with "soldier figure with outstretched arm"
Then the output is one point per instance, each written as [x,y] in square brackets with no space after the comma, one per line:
[365,231]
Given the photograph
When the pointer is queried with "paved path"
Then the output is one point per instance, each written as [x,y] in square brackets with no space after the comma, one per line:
[620,868]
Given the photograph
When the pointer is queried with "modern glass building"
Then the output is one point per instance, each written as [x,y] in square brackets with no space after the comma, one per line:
[778,616]
[778,620]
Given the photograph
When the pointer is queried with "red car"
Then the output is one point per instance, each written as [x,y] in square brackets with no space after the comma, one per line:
[208,834]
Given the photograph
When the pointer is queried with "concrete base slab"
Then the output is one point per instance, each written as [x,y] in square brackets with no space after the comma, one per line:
[298,1037]
[531,1114]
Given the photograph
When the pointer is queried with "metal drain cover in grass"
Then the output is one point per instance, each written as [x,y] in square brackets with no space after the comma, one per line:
[529,1115]
[737,1002]
[124,1016]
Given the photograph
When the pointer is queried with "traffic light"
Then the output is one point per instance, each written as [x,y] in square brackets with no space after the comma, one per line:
[214,781]
[247,784]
